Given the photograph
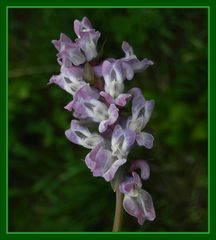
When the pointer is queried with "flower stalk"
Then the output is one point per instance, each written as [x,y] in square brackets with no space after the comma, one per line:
[118,217]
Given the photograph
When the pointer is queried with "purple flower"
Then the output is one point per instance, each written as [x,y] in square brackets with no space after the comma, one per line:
[132,60]
[137,202]
[102,163]
[86,105]
[87,37]
[88,44]
[70,79]
[141,113]
[82,26]
[121,100]
[79,134]
[143,166]
[69,52]
[113,77]
[121,142]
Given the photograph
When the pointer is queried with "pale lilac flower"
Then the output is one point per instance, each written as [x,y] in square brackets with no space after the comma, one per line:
[137,202]
[102,163]
[121,142]
[87,38]
[79,134]
[143,166]
[82,26]
[113,77]
[132,60]
[141,113]
[86,105]
[70,79]
[69,52]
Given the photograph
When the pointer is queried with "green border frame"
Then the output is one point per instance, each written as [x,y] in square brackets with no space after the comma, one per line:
[4,6]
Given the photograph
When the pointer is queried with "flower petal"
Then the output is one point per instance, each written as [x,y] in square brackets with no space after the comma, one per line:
[143,166]
[70,79]
[132,60]
[60,44]
[141,111]
[122,141]
[81,135]
[102,163]
[140,207]
[114,165]
[121,100]
[145,139]
[82,26]
[112,118]
[72,54]
[108,98]
[88,44]
[131,185]
[114,76]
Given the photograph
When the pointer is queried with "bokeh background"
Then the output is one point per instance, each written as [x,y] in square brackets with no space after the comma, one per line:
[50,188]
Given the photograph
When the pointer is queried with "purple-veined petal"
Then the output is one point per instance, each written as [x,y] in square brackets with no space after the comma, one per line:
[88,44]
[139,66]
[143,166]
[131,185]
[121,100]
[87,106]
[114,76]
[101,162]
[140,206]
[60,44]
[79,134]
[129,71]
[111,168]
[145,139]
[69,106]
[91,109]
[73,54]
[132,60]
[86,93]
[141,111]
[108,98]
[82,26]
[69,52]
[122,141]
[58,80]
[70,79]
[111,119]
[84,102]
[137,202]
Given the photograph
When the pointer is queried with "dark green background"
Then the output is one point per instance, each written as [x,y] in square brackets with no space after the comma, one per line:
[50,188]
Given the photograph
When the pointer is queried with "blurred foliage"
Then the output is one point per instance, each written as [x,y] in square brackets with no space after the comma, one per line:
[50,188]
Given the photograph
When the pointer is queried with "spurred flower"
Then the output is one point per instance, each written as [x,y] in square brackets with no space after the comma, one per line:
[79,134]
[137,202]
[121,142]
[132,60]
[102,163]
[70,79]
[141,113]
[87,37]
[86,105]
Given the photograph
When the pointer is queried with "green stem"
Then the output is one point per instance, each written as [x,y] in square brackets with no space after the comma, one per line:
[118,212]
